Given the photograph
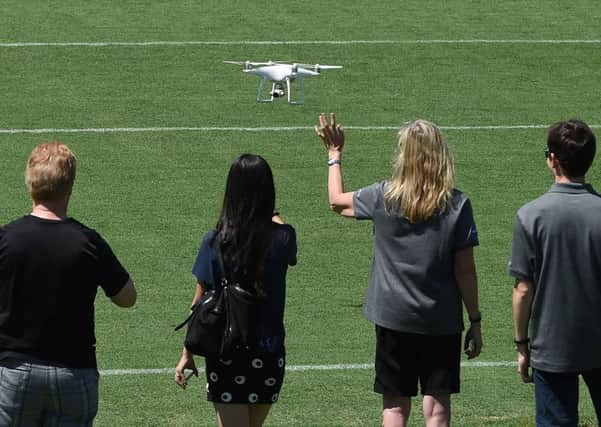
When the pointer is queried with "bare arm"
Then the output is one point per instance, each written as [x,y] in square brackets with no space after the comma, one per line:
[186,361]
[198,291]
[332,136]
[277,218]
[522,299]
[127,296]
[467,281]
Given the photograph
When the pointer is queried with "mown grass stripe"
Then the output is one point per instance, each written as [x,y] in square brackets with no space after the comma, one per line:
[251,129]
[296,42]
[301,368]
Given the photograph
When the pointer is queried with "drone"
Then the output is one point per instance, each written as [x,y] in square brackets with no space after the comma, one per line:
[282,74]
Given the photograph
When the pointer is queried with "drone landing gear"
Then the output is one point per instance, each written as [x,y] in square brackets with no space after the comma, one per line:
[277,91]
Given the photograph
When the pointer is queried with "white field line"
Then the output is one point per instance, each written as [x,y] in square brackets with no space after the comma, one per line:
[298,42]
[252,129]
[299,368]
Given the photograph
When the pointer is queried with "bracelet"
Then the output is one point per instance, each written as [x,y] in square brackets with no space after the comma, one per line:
[476,319]
[522,341]
[333,162]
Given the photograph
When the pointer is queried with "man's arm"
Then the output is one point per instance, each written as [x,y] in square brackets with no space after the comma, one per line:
[522,299]
[127,296]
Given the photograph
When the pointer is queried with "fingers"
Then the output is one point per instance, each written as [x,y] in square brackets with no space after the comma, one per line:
[473,343]
[475,352]
[330,133]
[180,379]
[318,132]
[525,375]
[524,368]
[323,121]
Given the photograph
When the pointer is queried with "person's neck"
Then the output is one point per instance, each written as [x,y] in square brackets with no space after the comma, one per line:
[55,210]
[560,179]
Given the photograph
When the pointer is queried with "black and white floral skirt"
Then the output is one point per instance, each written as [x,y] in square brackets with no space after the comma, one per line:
[245,378]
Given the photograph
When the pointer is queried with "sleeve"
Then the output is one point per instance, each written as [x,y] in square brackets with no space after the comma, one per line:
[466,233]
[365,200]
[291,246]
[205,264]
[112,275]
[521,261]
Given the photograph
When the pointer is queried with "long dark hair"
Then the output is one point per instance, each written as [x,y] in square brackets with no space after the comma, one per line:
[245,225]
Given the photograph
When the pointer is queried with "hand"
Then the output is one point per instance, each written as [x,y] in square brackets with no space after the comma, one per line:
[473,341]
[186,362]
[331,134]
[524,363]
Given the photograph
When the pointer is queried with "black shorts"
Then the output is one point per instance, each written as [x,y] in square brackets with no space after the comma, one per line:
[403,359]
[245,378]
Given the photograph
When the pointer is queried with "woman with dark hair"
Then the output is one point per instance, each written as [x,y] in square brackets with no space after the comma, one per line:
[256,248]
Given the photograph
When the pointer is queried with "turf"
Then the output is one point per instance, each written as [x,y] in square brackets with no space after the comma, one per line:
[154,194]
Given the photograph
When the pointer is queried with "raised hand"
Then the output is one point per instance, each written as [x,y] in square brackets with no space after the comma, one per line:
[331,134]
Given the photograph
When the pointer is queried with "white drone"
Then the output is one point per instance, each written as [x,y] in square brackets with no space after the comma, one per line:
[280,74]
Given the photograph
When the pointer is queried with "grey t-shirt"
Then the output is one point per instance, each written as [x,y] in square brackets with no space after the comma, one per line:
[557,247]
[412,286]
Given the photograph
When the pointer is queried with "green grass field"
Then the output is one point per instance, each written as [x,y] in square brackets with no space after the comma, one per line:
[153,192]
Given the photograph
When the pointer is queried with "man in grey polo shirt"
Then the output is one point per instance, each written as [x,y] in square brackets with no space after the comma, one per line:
[556,261]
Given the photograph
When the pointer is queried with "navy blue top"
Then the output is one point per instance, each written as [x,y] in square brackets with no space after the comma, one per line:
[281,254]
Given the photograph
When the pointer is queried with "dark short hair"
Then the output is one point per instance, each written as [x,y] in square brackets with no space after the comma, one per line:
[574,145]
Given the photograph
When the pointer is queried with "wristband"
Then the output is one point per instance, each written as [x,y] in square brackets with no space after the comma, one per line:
[333,162]
[476,319]
[522,341]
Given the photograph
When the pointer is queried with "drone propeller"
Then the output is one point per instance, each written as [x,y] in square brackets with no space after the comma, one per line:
[254,64]
[321,67]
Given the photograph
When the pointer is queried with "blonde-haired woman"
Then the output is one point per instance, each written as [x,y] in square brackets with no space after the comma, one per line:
[423,268]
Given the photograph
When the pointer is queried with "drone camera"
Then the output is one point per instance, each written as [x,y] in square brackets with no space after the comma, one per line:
[276,93]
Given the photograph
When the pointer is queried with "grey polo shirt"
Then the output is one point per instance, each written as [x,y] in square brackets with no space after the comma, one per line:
[557,247]
[412,285]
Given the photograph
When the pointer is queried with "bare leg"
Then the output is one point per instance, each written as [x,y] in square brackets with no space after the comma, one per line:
[437,410]
[232,414]
[257,414]
[396,410]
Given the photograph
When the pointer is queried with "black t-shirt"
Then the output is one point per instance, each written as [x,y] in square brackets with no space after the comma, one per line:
[49,274]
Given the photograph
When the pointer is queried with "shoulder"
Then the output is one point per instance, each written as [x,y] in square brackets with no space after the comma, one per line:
[371,193]
[89,232]
[375,188]
[17,223]
[208,245]
[81,226]
[209,237]
[458,200]
[533,207]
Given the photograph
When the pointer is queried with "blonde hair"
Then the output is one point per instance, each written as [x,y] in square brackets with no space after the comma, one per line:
[423,175]
[50,171]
